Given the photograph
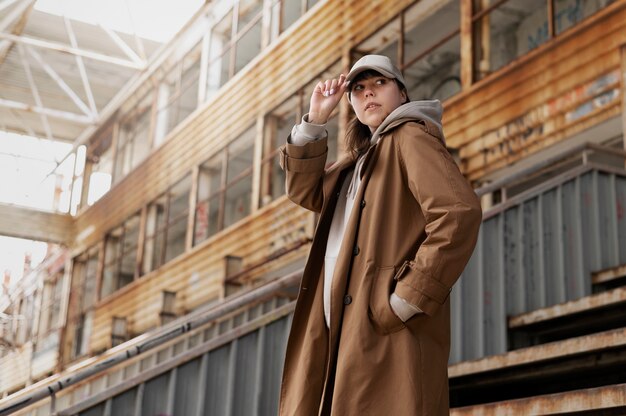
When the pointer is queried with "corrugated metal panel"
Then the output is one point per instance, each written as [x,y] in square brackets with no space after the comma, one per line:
[241,377]
[537,251]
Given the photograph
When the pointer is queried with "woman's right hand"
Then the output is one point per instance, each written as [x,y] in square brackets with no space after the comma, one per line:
[325,98]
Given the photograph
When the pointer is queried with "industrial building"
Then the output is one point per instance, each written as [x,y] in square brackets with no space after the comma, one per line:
[174,254]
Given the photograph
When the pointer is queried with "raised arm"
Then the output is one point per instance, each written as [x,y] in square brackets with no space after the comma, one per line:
[303,157]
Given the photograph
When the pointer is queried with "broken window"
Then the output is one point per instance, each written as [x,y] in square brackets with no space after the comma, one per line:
[432,51]
[178,94]
[82,301]
[424,42]
[51,300]
[166,226]
[120,256]
[225,187]
[134,138]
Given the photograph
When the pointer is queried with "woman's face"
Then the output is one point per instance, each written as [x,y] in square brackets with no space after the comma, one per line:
[374,98]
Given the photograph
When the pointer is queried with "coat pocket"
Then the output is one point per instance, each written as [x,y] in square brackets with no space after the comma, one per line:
[384,320]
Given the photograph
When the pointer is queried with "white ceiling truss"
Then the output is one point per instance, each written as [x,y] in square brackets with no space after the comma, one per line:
[58,74]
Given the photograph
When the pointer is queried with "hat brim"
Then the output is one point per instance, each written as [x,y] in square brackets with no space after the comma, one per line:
[352,74]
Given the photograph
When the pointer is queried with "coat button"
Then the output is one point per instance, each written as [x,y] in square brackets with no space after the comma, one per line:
[347,300]
[363,204]
[356,250]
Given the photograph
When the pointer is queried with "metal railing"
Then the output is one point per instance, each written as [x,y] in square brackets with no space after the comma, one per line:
[122,362]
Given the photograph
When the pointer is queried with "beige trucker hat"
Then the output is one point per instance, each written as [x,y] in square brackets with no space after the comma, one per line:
[379,63]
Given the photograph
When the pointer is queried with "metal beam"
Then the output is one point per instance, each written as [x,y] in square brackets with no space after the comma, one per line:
[35,91]
[123,45]
[24,10]
[57,78]
[15,14]
[81,67]
[138,41]
[137,80]
[62,115]
[56,46]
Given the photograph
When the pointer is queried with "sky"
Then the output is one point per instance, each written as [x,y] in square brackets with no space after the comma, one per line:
[27,161]
[158,20]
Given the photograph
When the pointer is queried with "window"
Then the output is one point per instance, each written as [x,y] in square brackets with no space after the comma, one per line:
[278,125]
[248,44]
[50,305]
[225,187]
[235,41]
[120,256]
[240,154]
[287,12]
[82,301]
[166,226]
[134,140]
[432,52]
[425,45]
[178,94]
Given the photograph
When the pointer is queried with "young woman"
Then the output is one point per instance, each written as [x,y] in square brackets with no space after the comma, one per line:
[398,223]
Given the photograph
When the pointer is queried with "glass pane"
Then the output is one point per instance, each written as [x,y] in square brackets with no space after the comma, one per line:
[248,46]
[108,280]
[176,233]
[90,282]
[568,13]
[131,233]
[179,199]
[237,205]
[158,250]
[112,246]
[222,33]
[240,154]
[290,13]
[237,198]
[134,140]
[141,138]
[156,216]
[206,219]
[220,54]
[127,272]
[209,184]
[248,10]
[183,98]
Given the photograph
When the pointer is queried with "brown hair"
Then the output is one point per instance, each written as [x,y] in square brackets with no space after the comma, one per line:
[358,134]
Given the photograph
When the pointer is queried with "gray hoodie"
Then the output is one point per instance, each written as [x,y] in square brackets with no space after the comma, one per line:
[429,111]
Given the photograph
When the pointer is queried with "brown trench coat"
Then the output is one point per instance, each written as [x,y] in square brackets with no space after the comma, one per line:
[413,228]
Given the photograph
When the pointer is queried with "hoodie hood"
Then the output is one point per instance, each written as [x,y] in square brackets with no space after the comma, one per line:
[428,111]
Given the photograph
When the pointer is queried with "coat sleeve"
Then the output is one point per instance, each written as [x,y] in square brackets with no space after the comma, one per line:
[304,172]
[453,216]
